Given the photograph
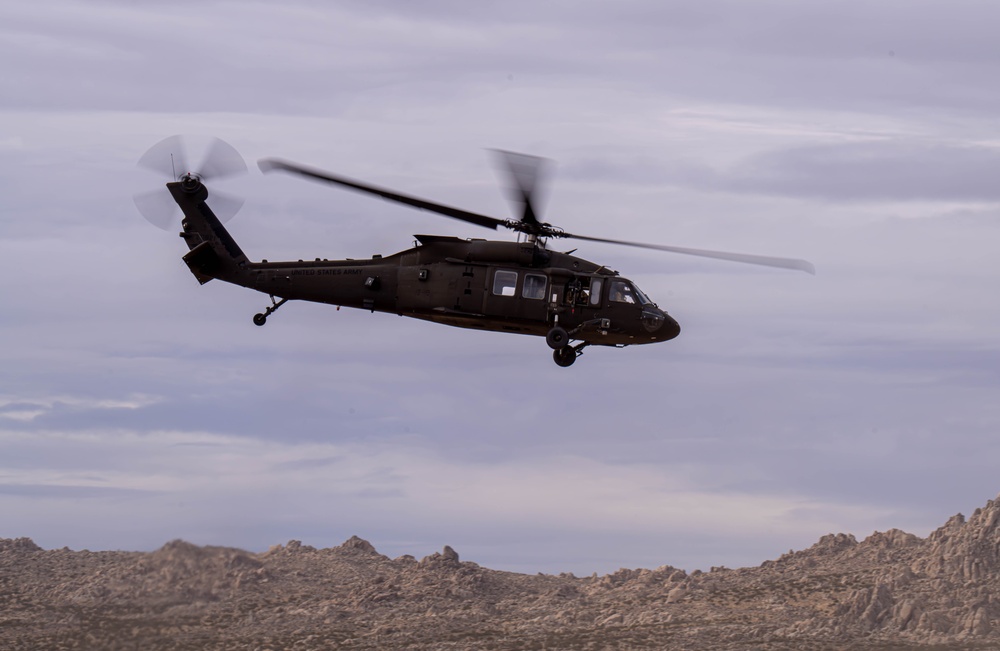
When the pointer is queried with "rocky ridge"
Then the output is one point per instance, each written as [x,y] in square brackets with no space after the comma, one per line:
[892,590]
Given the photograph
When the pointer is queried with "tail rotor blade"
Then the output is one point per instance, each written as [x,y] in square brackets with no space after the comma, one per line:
[221,161]
[158,207]
[166,158]
[225,206]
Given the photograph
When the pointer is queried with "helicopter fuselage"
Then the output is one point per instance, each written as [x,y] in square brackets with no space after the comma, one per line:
[482,284]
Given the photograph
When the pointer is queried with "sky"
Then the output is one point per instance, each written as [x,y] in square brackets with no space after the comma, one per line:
[137,407]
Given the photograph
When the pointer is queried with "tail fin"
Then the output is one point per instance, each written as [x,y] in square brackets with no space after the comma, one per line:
[213,251]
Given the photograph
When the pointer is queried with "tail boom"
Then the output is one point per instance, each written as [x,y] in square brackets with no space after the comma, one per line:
[213,251]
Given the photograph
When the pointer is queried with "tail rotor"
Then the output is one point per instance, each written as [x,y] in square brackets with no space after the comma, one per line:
[168,160]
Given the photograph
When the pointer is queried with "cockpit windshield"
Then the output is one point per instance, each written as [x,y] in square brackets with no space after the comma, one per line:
[643,299]
[622,291]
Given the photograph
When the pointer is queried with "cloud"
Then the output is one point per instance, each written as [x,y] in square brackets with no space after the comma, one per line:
[279,489]
[70,492]
[29,410]
[868,171]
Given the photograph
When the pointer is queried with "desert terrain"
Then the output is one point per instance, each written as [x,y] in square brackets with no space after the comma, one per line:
[892,590]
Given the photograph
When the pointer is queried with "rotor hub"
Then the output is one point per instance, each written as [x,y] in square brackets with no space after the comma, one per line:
[191,183]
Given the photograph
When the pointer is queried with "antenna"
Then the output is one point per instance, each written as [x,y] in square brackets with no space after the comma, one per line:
[172,169]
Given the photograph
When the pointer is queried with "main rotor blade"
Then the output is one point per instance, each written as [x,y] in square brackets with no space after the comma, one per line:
[767,261]
[270,164]
[526,173]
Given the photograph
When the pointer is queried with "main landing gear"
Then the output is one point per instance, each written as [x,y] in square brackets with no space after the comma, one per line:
[563,354]
[566,355]
[558,339]
[260,318]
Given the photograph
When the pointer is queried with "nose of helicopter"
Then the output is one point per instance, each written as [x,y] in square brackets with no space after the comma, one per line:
[669,329]
[659,324]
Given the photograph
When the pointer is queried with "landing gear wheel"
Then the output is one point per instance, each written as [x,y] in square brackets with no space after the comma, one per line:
[564,356]
[557,338]
[261,317]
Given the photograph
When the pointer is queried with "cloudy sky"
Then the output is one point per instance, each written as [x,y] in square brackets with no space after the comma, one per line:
[137,407]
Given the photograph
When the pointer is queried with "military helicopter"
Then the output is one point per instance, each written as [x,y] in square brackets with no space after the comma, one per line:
[522,287]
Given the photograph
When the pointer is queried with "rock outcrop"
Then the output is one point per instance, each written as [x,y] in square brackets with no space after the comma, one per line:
[892,589]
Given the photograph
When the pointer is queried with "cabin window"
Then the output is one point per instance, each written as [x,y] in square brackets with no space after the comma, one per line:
[534,286]
[595,291]
[504,283]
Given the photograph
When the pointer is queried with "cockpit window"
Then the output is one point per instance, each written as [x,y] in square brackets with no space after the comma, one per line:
[622,291]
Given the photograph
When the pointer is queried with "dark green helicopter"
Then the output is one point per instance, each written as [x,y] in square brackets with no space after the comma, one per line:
[522,287]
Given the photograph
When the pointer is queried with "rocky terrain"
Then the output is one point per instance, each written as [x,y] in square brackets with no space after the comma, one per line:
[891,591]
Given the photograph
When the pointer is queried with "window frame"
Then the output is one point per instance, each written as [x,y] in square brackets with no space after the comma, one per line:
[596,287]
[497,289]
[539,290]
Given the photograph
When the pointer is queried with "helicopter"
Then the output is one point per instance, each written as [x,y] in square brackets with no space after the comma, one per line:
[522,287]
